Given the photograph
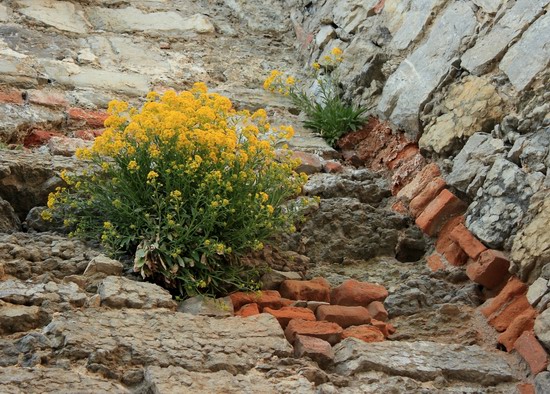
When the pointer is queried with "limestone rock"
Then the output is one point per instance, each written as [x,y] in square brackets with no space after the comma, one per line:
[206,306]
[272,279]
[67,146]
[501,203]
[9,222]
[17,318]
[46,294]
[196,343]
[15,380]
[470,106]
[519,64]
[364,185]
[121,292]
[542,383]
[130,19]
[542,328]
[537,290]
[345,227]
[164,380]
[104,266]
[471,164]
[34,222]
[422,361]
[409,87]
[62,15]
[531,150]
[478,59]
[490,6]
[267,17]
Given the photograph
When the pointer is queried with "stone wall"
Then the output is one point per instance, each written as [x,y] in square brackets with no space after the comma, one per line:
[462,85]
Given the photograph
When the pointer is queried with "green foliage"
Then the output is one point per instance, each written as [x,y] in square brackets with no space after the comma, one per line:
[186,185]
[328,113]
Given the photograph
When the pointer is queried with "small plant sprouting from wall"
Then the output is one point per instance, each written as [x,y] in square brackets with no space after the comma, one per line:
[328,114]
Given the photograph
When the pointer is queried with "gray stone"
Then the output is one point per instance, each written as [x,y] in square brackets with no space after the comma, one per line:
[407,302]
[488,48]
[206,306]
[530,151]
[530,55]
[130,19]
[62,15]
[17,380]
[325,34]
[410,86]
[417,15]
[537,290]
[103,265]
[346,228]
[47,294]
[3,13]
[350,14]
[9,222]
[121,292]
[35,222]
[27,178]
[18,318]
[542,328]
[64,146]
[72,75]
[371,189]
[167,338]
[265,17]
[164,380]
[542,383]
[424,361]
[490,6]
[472,163]
[501,203]
[15,120]
[531,246]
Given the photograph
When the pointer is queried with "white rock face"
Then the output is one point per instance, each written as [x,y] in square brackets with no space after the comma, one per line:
[59,14]
[529,56]
[408,88]
[478,59]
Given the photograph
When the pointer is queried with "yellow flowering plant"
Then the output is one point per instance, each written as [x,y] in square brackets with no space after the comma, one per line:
[326,113]
[186,185]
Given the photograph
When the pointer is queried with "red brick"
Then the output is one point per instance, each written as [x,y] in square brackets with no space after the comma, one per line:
[435,263]
[327,331]
[11,97]
[419,182]
[265,298]
[400,207]
[94,119]
[48,98]
[467,241]
[355,293]
[444,239]
[309,290]
[386,329]
[287,313]
[502,319]
[423,198]
[406,168]
[526,388]
[445,206]
[511,290]
[455,255]
[377,311]
[315,348]
[532,351]
[39,137]
[344,316]
[333,167]
[490,269]
[364,333]
[248,310]
[523,322]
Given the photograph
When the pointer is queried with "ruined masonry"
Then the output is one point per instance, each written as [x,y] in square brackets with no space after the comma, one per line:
[424,268]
